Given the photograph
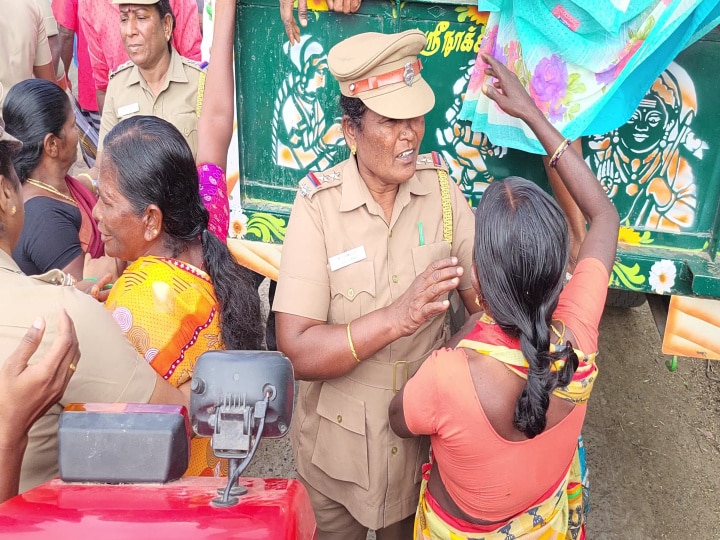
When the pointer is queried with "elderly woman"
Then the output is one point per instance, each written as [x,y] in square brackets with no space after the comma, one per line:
[157,81]
[183,293]
[373,248]
[524,372]
[110,371]
[59,227]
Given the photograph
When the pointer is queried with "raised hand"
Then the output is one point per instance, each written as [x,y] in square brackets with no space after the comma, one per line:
[507,90]
[421,302]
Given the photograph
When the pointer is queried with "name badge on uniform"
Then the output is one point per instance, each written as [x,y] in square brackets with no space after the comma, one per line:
[347,258]
[128,109]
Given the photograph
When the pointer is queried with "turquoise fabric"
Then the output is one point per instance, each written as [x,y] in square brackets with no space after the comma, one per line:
[586,64]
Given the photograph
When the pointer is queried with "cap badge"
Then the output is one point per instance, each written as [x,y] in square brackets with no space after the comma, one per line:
[408,74]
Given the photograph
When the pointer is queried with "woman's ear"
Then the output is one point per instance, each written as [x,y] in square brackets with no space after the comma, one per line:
[8,196]
[349,132]
[50,145]
[152,219]
[5,191]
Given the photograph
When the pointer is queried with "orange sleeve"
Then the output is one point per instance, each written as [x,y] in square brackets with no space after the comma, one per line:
[582,302]
[422,397]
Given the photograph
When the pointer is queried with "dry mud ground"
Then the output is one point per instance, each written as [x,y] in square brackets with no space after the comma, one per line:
[652,436]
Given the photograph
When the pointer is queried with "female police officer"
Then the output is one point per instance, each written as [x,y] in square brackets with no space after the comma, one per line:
[368,261]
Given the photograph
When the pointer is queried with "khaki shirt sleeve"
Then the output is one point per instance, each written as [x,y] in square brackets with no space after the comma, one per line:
[110,370]
[51,27]
[42,51]
[463,233]
[303,285]
[109,115]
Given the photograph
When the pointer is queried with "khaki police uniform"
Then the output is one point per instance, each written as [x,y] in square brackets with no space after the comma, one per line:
[358,473]
[344,447]
[128,94]
[23,41]
[110,369]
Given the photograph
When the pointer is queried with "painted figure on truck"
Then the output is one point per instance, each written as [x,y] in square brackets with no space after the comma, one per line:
[645,165]
[303,138]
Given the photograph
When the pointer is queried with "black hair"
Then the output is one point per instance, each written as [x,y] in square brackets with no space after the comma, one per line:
[33,108]
[154,165]
[521,255]
[354,109]
[164,8]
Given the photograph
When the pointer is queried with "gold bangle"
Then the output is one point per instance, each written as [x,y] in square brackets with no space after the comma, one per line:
[352,347]
[559,152]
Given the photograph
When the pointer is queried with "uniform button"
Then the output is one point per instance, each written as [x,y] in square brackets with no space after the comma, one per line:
[186,131]
[395,279]
[155,108]
[390,235]
[339,419]
[393,450]
[351,293]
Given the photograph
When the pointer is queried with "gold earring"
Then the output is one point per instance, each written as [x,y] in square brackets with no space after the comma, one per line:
[13,210]
[353,150]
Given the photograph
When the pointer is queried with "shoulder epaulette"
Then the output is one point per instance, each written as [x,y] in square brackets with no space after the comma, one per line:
[317,181]
[194,63]
[120,68]
[431,160]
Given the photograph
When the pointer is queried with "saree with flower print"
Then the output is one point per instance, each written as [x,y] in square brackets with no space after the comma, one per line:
[560,511]
[167,309]
[586,64]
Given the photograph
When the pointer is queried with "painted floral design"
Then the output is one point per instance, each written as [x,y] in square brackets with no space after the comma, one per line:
[662,276]
[315,5]
[238,224]
[627,277]
[471,14]
[630,236]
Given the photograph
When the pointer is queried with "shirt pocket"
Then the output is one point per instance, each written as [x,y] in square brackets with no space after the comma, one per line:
[187,124]
[341,444]
[353,292]
[423,255]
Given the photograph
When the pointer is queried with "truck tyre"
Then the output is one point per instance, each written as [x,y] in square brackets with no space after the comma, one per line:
[624,299]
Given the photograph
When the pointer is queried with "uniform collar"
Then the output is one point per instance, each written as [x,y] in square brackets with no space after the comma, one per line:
[355,192]
[175,73]
[7,263]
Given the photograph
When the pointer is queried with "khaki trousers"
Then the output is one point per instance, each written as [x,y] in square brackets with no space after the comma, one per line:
[334,522]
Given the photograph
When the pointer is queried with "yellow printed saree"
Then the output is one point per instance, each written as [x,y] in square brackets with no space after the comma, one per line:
[167,309]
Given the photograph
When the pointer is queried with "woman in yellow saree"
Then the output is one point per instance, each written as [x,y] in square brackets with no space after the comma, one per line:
[184,293]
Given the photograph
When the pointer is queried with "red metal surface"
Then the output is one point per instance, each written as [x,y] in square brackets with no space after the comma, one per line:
[272,509]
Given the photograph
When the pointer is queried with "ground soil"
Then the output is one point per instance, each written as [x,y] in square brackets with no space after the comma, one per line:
[653,437]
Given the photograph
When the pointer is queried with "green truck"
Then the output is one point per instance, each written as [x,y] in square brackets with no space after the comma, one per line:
[661,169]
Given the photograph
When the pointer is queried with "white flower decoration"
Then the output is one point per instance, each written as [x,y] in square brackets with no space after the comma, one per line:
[662,276]
[238,224]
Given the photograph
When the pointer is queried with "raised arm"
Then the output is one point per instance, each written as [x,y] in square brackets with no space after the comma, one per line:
[215,126]
[583,185]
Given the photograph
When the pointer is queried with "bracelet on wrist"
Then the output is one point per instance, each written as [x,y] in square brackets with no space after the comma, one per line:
[352,347]
[559,152]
